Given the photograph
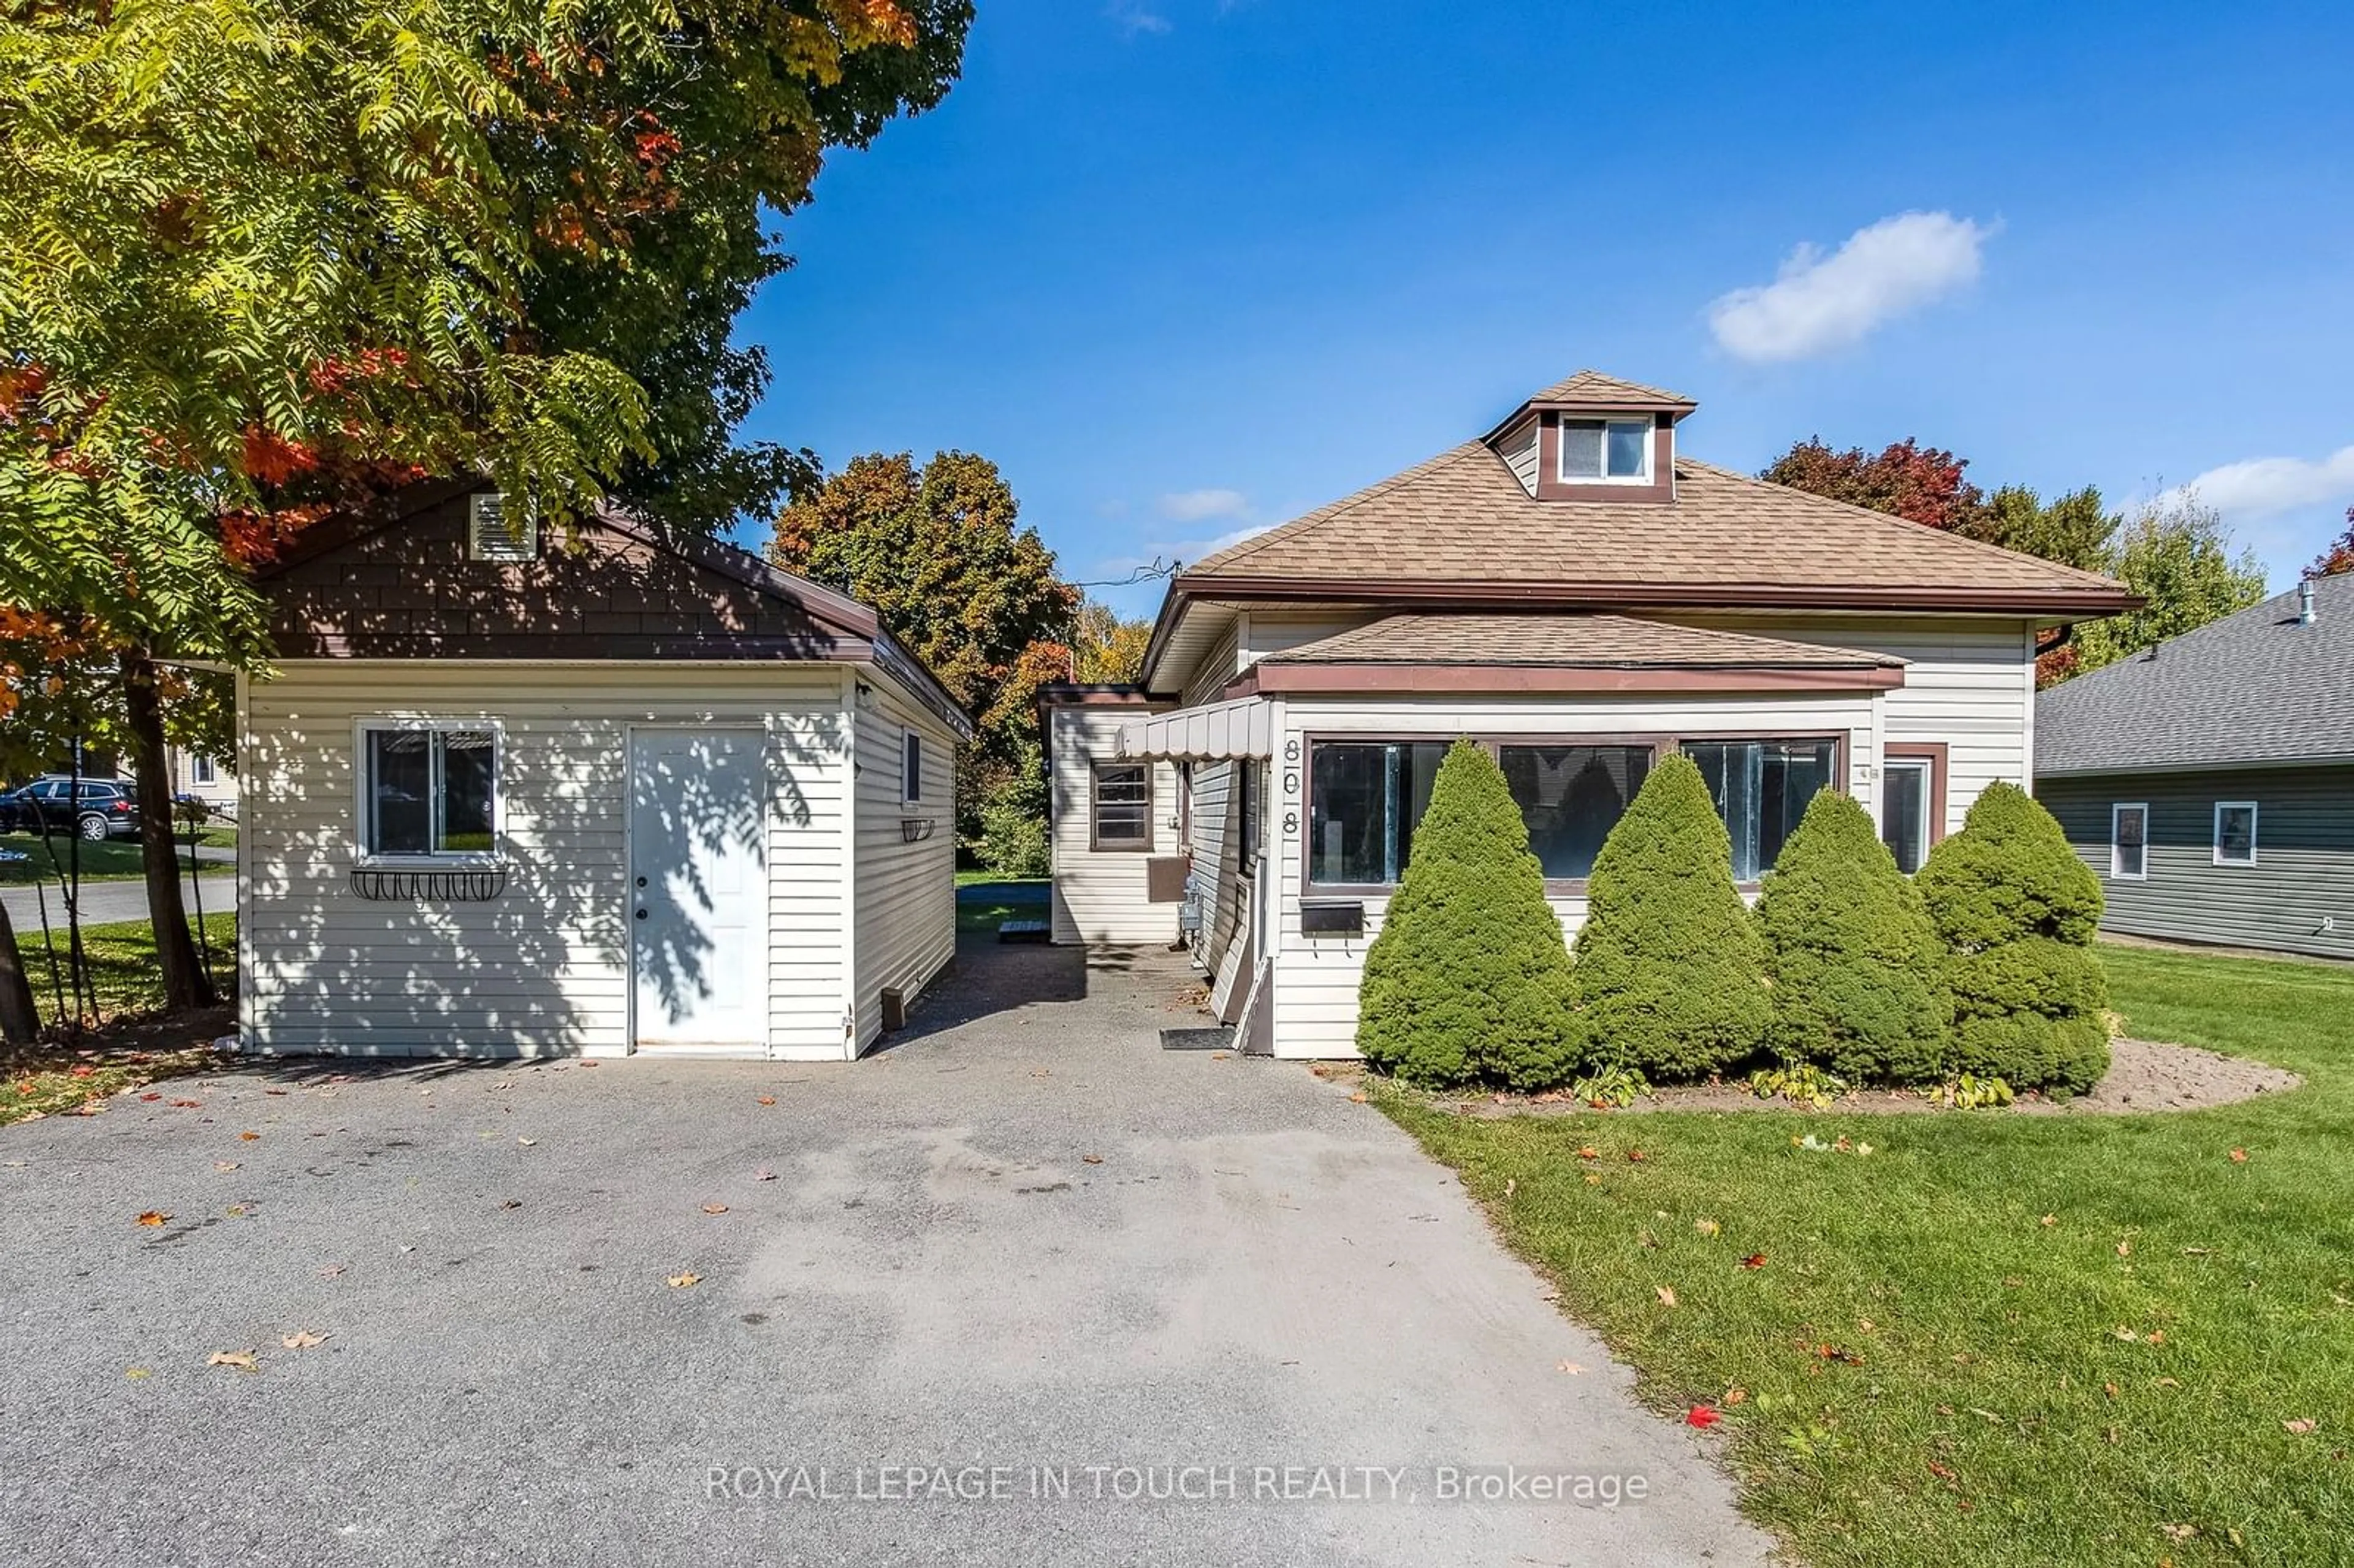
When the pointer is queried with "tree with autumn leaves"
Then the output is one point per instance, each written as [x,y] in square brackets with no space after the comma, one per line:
[2174,551]
[259,261]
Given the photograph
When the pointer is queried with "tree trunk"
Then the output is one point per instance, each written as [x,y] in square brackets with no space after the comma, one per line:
[19,1019]
[185,984]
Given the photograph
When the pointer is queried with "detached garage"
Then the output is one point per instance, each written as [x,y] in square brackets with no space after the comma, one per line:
[585,790]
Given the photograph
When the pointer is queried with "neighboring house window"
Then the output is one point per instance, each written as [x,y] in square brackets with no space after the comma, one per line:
[1246,782]
[1364,802]
[1123,805]
[1761,788]
[2129,842]
[429,790]
[2236,832]
[200,770]
[1570,797]
[911,769]
[1606,452]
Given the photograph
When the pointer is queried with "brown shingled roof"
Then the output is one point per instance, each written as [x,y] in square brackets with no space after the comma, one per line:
[1592,389]
[1460,526]
[1622,642]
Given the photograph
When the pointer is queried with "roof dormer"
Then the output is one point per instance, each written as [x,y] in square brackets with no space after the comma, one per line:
[1595,438]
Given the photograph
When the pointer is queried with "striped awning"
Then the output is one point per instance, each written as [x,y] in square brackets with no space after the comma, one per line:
[1242,727]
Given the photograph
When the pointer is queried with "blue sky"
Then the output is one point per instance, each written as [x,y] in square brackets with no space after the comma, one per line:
[1185,268]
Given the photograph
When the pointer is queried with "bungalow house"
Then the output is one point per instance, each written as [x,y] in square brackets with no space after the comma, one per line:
[588,790]
[1575,592]
[2210,779]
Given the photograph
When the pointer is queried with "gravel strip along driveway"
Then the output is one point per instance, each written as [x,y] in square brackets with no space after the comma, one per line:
[1023,1254]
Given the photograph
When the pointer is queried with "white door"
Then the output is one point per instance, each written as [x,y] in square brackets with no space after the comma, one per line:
[698,887]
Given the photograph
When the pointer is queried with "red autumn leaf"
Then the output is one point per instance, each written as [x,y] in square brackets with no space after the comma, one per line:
[1635,1157]
[83,1070]
[1754,1260]
[1589,1152]
[766,1100]
[1702,1417]
[151,1097]
[2239,1157]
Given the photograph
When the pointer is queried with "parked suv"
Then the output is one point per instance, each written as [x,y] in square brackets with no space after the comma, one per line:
[104,808]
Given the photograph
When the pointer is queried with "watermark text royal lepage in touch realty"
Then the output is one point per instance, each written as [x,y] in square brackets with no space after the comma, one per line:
[1123,1483]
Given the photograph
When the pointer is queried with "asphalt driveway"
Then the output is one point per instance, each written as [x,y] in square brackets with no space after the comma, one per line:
[1023,1255]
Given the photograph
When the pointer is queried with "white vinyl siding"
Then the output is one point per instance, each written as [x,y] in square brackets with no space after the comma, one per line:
[543,969]
[1316,978]
[1099,895]
[906,904]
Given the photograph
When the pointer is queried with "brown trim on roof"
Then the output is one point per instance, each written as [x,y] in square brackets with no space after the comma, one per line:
[1441,593]
[1271,676]
[1065,694]
[1551,486]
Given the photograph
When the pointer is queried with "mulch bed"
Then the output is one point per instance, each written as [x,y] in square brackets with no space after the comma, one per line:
[2144,1076]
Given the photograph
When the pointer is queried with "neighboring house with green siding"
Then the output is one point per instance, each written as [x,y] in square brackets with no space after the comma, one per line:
[2210,779]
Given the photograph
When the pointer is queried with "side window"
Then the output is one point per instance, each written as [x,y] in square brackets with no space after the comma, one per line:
[1122,805]
[2236,832]
[1247,780]
[428,790]
[2129,842]
[911,769]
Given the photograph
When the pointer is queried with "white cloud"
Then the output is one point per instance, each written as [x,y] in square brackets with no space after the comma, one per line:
[1818,302]
[1200,505]
[2261,487]
[1133,17]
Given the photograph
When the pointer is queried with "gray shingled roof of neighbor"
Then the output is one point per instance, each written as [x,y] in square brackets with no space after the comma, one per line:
[2251,688]
[1462,519]
[1599,641]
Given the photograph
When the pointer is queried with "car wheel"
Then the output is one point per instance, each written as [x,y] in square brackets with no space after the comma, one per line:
[94,827]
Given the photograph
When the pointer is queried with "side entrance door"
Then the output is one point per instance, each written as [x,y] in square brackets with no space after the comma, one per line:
[698,887]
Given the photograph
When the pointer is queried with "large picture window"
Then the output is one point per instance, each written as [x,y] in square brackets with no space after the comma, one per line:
[1570,797]
[1761,788]
[1364,798]
[428,790]
[1123,805]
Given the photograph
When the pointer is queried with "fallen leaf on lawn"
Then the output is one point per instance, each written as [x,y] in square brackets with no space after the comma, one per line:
[2125,1247]
[2111,1389]
[1589,1152]
[766,1101]
[2158,1336]
[1754,1260]
[2168,1383]
[250,1137]
[1091,1158]
[715,1208]
[764,1174]
[1512,1185]
[136,1371]
[154,1217]
[2239,1157]
[1635,1157]
[242,1360]
[1735,1394]
[684,1281]
[1702,1417]
[1358,1098]
[2178,1532]
[1706,1227]
[2301,1426]
[2121,1332]
[1666,1293]
[526,1143]
[1591,1180]
[2051,1220]
[302,1339]
[84,1070]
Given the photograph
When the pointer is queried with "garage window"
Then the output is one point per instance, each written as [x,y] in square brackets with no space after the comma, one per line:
[428,790]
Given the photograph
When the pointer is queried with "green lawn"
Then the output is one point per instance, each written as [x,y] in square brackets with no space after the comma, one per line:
[1997,1339]
[110,860]
[121,963]
[1024,899]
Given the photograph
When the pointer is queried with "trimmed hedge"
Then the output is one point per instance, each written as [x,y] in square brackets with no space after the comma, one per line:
[1669,974]
[2016,910]
[1469,979]
[1852,958]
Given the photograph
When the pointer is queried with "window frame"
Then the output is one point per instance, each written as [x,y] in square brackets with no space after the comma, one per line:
[202,769]
[1936,754]
[2221,859]
[1662,744]
[2117,810]
[911,766]
[374,724]
[1561,473]
[1096,844]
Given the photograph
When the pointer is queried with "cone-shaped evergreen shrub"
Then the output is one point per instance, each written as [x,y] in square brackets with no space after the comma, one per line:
[2016,910]
[1852,957]
[1671,971]
[1469,979]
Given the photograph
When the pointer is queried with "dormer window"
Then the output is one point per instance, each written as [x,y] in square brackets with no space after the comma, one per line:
[1606,452]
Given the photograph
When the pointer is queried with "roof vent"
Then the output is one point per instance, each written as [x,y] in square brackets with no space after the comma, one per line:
[2304,601]
[495,532]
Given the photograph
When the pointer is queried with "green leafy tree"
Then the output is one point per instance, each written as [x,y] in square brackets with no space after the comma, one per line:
[1671,971]
[259,258]
[939,553]
[2076,529]
[2176,553]
[1107,649]
[2016,910]
[1469,980]
[1852,958]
